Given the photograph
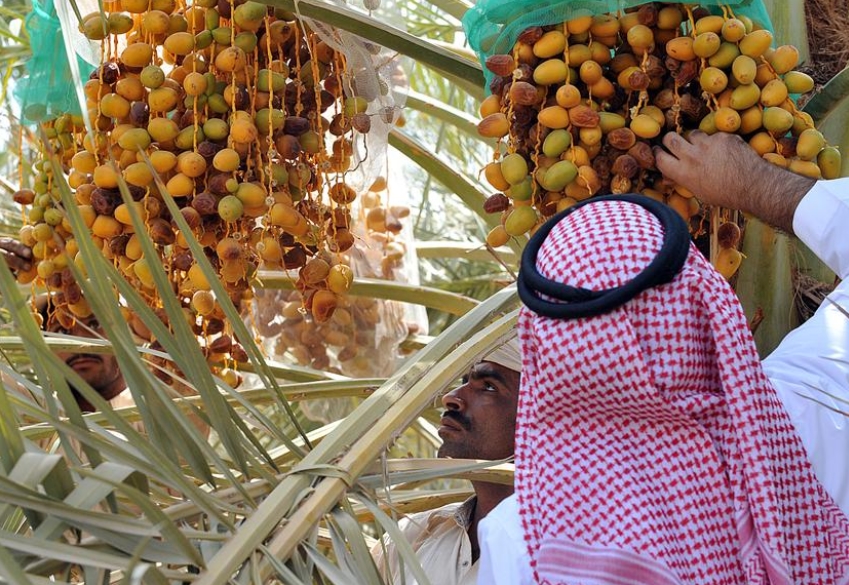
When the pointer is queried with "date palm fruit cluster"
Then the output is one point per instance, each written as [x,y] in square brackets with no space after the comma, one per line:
[246,116]
[728,257]
[361,337]
[577,107]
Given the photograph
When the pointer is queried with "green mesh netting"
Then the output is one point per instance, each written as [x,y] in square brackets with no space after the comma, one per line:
[48,90]
[492,26]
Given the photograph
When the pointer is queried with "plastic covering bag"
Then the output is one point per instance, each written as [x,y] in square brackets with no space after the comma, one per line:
[362,338]
[376,74]
[48,90]
[492,26]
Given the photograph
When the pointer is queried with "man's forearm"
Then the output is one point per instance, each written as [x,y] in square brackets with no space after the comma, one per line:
[775,202]
[723,170]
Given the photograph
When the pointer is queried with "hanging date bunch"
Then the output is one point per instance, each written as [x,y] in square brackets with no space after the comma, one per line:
[257,124]
[361,337]
[579,100]
[47,230]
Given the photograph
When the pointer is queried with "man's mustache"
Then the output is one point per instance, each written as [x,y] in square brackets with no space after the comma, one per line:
[83,356]
[460,419]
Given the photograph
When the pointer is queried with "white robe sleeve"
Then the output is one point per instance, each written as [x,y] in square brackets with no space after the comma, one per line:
[821,222]
[810,368]
[504,557]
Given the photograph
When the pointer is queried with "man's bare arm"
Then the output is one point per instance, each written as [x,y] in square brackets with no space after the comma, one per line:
[721,169]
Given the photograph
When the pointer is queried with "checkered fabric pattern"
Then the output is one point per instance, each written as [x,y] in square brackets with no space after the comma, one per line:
[650,446]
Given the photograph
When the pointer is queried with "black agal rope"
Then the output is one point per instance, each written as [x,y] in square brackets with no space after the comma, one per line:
[577,302]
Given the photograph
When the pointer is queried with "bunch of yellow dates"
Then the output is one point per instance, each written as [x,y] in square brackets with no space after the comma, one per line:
[577,107]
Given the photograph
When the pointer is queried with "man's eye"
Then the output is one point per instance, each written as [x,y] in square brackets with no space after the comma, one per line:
[489,387]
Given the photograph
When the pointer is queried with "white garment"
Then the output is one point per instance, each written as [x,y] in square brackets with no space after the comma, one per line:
[504,557]
[809,369]
[441,542]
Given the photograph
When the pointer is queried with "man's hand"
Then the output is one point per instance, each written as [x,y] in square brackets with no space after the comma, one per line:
[721,169]
[17,255]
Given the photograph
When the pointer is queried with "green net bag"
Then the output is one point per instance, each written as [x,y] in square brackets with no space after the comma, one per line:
[493,26]
[48,89]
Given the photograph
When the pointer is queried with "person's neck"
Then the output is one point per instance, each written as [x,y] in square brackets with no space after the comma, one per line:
[488,496]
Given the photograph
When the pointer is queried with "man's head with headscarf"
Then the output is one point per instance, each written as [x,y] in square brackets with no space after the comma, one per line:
[480,415]
[649,442]
[99,370]
[508,355]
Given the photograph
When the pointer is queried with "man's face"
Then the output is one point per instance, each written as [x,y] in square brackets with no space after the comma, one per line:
[100,370]
[480,416]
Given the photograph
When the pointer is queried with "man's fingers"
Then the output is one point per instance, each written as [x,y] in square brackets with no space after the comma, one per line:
[15,262]
[676,143]
[17,255]
[666,163]
[20,265]
[12,247]
[699,138]
[23,251]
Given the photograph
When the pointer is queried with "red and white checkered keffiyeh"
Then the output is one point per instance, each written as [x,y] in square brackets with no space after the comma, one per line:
[650,446]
